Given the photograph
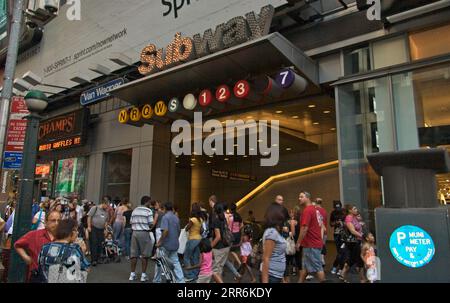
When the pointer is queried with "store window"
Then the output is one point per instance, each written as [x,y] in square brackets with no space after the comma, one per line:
[117,174]
[70,177]
[357,60]
[430,43]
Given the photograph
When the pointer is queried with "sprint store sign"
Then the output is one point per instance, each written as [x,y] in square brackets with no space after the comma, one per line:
[111,27]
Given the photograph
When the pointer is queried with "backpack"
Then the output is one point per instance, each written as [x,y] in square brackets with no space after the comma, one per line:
[204,230]
[257,254]
[61,273]
[36,225]
[227,236]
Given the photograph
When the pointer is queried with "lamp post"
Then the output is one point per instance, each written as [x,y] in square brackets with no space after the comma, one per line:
[36,102]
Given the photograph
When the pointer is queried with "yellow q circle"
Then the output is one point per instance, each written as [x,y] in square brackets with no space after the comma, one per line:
[147,111]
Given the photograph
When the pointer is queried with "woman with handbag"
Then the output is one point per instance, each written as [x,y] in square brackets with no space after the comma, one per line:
[290,249]
[353,235]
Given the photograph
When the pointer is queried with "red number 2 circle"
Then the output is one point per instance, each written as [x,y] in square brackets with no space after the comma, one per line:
[223,93]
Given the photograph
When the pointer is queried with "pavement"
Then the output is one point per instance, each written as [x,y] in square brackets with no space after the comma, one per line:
[120,272]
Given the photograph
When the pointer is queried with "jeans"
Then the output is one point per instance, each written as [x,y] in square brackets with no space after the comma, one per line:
[339,261]
[127,243]
[173,257]
[192,257]
[274,279]
[231,267]
[118,233]
[96,238]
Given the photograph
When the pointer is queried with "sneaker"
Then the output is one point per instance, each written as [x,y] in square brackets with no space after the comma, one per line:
[94,263]
[309,277]
[339,273]
[144,278]
[333,271]
[132,277]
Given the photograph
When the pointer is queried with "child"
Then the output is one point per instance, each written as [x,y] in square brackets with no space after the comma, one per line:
[111,246]
[206,262]
[246,251]
[368,254]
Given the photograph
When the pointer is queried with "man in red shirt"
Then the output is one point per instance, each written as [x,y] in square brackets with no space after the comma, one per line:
[29,246]
[310,239]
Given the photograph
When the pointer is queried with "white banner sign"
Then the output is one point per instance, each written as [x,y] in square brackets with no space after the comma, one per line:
[110,27]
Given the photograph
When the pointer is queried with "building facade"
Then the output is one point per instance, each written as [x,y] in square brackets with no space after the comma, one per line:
[368,86]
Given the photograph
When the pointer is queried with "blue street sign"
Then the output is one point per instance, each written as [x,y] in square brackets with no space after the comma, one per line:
[412,246]
[12,160]
[100,92]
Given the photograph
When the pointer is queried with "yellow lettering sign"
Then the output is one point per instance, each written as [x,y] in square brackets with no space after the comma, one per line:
[135,114]
[160,108]
[147,111]
[123,116]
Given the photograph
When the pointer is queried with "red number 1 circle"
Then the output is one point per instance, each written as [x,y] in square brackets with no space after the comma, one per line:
[205,97]
[223,93]
[242,89]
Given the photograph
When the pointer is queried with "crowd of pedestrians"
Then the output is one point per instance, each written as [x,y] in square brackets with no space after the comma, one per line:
[68,237]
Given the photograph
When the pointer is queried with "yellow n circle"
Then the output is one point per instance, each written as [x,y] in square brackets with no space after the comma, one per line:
[123,116]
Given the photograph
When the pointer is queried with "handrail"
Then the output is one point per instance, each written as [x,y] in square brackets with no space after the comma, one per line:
[300,172]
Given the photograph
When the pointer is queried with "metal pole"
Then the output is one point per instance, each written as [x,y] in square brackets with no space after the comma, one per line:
[22,217]
[10,70]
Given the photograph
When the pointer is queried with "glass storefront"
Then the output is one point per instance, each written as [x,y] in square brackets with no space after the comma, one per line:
[366,124]
[397,112]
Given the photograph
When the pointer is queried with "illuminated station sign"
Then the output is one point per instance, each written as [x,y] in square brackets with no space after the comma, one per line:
[243,91]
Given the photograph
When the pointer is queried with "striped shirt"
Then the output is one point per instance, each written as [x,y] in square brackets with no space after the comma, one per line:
[141,219]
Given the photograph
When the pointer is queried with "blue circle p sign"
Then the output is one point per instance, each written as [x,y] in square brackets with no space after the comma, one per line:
[412,246]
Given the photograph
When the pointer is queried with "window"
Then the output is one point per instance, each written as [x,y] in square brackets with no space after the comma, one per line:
[357,60]
[70,177]
[422,101]
[389,52]
[430,43]
[117,174]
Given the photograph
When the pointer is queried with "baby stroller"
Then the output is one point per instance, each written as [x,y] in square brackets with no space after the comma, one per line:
[167,267]
[111,252]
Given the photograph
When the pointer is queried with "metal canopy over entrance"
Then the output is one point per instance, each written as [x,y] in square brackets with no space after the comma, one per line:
[257,57]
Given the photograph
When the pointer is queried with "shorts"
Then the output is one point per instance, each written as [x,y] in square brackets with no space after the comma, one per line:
[142,244]
[312,260]
[220,258]
[352,255]
[204,278]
